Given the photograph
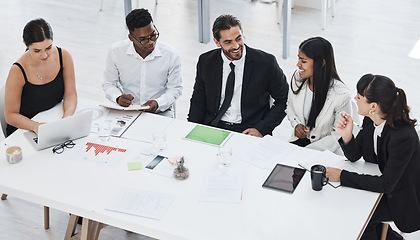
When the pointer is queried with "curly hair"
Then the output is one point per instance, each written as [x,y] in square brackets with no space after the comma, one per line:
[138,18]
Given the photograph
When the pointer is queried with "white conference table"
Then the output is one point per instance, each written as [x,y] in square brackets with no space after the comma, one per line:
[84,189]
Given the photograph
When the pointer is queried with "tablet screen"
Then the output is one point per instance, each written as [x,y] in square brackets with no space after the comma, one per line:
[285,178]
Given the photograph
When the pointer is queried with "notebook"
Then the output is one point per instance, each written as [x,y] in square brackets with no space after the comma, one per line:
[59,131]
[208,135]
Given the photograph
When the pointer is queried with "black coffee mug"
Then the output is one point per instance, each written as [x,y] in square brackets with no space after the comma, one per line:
[318,177]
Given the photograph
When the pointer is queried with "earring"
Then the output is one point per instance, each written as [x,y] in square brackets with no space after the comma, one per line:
[371,112]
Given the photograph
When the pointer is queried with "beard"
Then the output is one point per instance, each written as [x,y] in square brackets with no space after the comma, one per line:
[234,56]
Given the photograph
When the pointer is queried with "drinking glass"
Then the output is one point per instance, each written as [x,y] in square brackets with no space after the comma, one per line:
[224,156]
[104,130]
[159,141]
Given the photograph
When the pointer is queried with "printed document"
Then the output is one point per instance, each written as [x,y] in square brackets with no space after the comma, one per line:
[141,203]
[222,186]
[267,153]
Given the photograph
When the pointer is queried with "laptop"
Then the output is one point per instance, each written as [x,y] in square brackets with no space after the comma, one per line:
[59,131]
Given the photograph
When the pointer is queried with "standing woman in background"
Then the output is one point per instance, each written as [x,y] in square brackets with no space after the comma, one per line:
[42,77]
[317,97]
[388,138]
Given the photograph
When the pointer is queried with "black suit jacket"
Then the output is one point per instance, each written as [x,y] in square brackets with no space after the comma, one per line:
[262,78]
[399,161]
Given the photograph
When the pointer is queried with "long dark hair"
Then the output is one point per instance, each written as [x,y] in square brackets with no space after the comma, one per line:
[37,30]
[391,100]
[324,73]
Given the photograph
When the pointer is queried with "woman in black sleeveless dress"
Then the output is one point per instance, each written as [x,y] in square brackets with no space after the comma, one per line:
[42,77]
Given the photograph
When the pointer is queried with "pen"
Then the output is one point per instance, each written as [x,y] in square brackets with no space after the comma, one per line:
[301,127]
[303,167]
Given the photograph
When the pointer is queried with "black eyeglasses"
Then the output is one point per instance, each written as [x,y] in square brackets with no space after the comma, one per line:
[145,40]
[60,148]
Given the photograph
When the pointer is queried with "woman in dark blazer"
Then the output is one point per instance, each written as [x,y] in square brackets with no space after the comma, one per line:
[387,138]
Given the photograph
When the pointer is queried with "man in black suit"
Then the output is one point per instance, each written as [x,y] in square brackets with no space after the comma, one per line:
[234,83]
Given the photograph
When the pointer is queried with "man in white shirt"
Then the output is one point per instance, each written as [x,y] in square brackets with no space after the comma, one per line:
[141,70]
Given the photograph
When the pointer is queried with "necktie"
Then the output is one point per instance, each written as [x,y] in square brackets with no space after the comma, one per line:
[230,84]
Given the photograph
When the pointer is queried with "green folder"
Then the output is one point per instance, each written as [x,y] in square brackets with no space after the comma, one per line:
[208,135]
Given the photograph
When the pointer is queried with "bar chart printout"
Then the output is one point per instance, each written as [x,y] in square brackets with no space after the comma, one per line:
[102,148]
[101,154]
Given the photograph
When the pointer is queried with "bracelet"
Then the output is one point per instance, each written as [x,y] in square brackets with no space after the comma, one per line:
[33,125]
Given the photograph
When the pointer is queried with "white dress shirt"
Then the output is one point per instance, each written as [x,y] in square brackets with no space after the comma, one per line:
[377,133]
[308,104]
[156,77]
[233,113]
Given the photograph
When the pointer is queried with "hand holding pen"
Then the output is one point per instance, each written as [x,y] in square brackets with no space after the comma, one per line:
[301,131]
[125,100]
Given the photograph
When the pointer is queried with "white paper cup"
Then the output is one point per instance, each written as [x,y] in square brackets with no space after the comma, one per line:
[13,154]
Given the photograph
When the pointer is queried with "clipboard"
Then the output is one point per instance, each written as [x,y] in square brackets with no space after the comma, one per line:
[111,105]
[208,135]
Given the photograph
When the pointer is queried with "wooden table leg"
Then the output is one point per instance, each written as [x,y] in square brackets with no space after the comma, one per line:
[46,217]
[95,230]
[71,227]
[85,229]
[90,229]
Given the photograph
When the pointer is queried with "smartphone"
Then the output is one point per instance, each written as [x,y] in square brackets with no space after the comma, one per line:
[155,162]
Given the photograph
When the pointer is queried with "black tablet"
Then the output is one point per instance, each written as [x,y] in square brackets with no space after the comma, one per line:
[284,178]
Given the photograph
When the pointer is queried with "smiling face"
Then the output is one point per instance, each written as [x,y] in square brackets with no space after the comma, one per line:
[305,65]
[232,43]
[40,51]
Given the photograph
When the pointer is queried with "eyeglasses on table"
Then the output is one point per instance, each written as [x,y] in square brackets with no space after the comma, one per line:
[60,148]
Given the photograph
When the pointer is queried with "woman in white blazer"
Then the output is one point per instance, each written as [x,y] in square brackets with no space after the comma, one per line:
[317,97]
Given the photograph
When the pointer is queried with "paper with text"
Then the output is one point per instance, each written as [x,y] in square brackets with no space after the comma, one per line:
[141,203]
[113,105]
[108,153]
[145,125]
[222,186]
[267,153]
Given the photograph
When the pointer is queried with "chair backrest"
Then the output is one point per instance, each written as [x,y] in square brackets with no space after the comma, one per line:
[356,118]
[355,114]
[2,119]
